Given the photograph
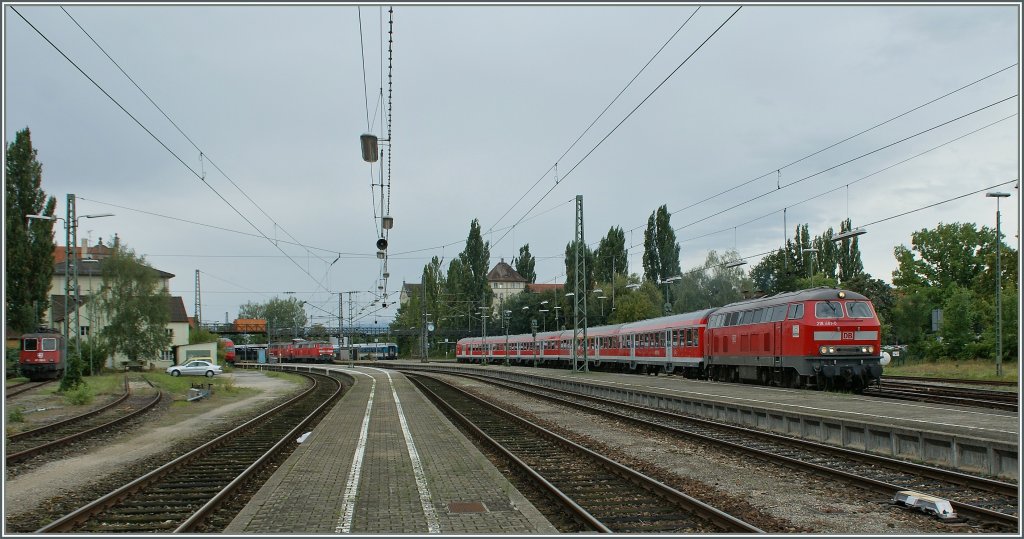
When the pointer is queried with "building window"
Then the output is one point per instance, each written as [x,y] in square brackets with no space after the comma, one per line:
[170,332]
[83,331]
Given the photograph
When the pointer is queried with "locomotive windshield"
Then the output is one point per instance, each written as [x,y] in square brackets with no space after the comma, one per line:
[858,309]
[29,345]
[49,345]
[828,309]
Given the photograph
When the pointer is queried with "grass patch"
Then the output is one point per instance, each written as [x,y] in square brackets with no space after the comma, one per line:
[17,380]
[83,394]
[16,415]
[966,369]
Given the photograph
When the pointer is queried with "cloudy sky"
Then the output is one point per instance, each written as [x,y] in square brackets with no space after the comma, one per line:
[725,127]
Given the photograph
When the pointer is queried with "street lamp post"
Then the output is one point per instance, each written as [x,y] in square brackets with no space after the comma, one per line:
[668,304]
[506,315]
[999,287]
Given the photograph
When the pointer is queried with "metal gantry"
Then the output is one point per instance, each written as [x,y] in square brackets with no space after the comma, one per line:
[579,330]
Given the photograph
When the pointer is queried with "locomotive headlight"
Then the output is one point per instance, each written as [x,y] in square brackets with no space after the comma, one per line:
[871,349]
[824,350]
[831,350]
[864,349]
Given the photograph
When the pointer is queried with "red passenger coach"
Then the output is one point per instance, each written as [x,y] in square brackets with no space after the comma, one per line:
[822,337]
[42,355]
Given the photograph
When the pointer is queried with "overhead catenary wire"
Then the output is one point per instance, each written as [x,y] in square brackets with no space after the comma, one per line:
[915,156]
[202,154]
[630,114]
[599,116]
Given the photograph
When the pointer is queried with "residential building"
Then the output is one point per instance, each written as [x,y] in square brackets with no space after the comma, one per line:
[90,281]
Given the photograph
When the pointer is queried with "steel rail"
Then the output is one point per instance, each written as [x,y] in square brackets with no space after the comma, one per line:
[718,517]
[81,515]
[22,455]
[209,507]
[23,390]
[997,487]
[59,424]
[1006,383]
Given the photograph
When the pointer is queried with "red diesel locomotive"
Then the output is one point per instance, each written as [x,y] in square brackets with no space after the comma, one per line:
[42,355]
[821,337]
[300,351]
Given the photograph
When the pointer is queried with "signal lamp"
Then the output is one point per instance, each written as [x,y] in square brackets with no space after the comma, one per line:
[382,244]
[368,143]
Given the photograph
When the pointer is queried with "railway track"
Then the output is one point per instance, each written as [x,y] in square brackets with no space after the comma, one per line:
[184,495]
[984,500]
[1000,383]
[55,436]
[945,394]
[602,495]
[24,387]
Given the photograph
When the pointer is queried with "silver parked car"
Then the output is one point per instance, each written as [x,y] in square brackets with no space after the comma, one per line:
[197,367]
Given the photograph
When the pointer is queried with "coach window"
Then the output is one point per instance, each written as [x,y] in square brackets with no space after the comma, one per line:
[731,321]
[828,309]
[49,344]
[796,311]
[745,317]
[858,309]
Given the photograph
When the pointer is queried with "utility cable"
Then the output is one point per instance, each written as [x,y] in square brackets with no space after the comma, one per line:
[847,185]
[778,170]
[584,158]
[172,122]
[599,116]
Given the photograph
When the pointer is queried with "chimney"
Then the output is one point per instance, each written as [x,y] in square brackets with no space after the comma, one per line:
[84,253]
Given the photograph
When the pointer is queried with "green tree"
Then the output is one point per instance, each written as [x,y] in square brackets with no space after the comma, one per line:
[960,325]
[284,316]
[640,304]
[467,275]
[710,285]
[134,303]
[570,267]
[29,244]
[949,254]
[661,252]
[848,253]
[610,255]
[525,264]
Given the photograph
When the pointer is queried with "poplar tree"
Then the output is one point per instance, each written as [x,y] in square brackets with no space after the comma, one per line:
[524,264]
[661,252]
[29,248]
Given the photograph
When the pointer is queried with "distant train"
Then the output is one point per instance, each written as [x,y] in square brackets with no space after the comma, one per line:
[821,337]
[229,350]
[377,350]
[42,355]
[300,351]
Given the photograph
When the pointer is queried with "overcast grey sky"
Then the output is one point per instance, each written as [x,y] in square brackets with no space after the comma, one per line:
[485,99]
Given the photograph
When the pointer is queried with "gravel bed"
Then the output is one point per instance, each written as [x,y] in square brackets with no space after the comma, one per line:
[774,498]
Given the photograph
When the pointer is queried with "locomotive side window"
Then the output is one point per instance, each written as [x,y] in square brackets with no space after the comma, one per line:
[858,309]
[796,311]
[828,309]
[779,314]
[29,345]
[49,345]
[732,319]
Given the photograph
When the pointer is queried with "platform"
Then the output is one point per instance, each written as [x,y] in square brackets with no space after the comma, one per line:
[385,461]
[974,440]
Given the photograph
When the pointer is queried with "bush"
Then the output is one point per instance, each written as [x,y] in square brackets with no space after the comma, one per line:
[81,394]
[12,368]
[16,415]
